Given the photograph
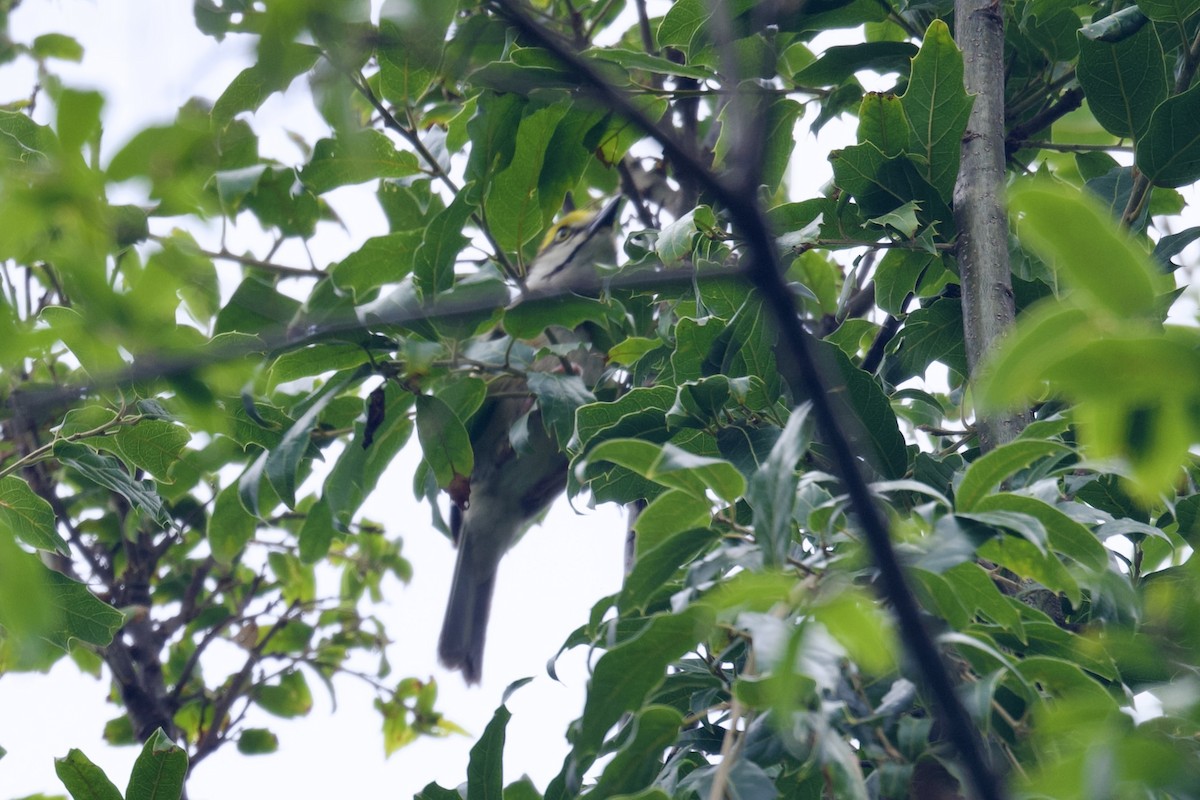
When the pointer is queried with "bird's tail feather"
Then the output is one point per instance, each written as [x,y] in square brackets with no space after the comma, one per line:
[465,625]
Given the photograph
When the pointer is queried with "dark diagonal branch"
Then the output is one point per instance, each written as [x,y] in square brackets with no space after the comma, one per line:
[765,271]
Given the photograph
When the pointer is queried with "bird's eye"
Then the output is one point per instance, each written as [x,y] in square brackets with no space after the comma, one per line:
[562,234]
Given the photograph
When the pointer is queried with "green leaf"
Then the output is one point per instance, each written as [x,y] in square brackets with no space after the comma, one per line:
[256,83]
[443,240]
[411,38]
[772,490]
[485,768]
[23,141]
[676,241]
[444,440]
[881,184]
[683,21]
[652,731]
[352,158]
[672,512]
[108,472]
[1024,559]
[1169,10]
[623,678]
[883,123]
[154,445]
[83,779]
[631,350]
[938,106]
[78,119]
[359,468]
[1105,266]
[529,318]
[878,436]
[314,360]
[317,532]
[1017,368]
[558,397]
[1027,527]
[1169,152]
[1065,535]
[256,307]
[657,563]
[29,517]
[159,771]
[985,474]
[516,213]
[673,467]
[904,272]
[288,698]
[641,406]
[638,60]
[778,121]
[283,462]
[1123,81]
[83,615]
[380,260]
[839,63]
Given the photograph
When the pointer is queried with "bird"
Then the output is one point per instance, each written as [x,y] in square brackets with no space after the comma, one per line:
[510,488]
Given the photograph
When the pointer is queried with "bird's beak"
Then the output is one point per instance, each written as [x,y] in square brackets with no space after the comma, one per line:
[607,217]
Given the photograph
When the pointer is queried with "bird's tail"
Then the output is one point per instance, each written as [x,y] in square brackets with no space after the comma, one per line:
[465,625]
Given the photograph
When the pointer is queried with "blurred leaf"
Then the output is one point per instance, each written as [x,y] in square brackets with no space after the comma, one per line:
[1169,10]
[57,45]
[289,697]
[230,527]
[257,742]
[1104,265]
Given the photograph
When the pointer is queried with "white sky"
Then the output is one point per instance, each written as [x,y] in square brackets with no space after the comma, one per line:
[147,58]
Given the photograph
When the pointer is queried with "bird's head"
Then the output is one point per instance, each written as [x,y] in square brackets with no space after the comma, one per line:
[573,248]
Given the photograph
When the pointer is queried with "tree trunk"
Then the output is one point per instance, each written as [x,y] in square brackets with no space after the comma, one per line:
[979,209]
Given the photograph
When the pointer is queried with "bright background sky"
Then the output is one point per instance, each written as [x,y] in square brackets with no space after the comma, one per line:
[147,58]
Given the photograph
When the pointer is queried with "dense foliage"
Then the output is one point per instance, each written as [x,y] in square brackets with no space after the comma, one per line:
[160,434]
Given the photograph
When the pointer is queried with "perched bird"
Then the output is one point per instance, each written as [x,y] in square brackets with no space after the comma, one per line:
[511,488]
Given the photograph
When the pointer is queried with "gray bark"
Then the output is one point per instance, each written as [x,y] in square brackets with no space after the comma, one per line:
[979,209]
